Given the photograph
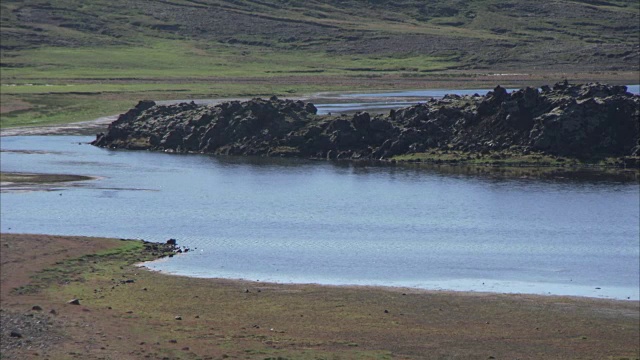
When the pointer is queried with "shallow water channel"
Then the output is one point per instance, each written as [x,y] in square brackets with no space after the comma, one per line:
[322,222]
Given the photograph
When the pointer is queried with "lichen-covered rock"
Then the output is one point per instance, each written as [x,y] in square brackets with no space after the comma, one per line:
[581,121]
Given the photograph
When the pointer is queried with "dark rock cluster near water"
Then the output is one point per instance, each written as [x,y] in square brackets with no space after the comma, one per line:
[580,121]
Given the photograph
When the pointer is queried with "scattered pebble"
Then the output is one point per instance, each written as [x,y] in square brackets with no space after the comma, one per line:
[26,332]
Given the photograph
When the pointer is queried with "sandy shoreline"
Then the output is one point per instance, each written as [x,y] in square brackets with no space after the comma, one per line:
[127,312]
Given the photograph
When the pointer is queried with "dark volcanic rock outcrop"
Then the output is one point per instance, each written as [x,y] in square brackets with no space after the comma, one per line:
[581,121]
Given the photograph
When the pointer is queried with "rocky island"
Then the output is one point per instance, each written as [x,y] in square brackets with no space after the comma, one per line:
[580,122]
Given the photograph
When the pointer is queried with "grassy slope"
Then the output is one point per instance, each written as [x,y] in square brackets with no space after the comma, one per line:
[72,60]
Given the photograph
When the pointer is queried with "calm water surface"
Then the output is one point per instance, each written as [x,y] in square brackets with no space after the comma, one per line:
[337,223]
[379,101]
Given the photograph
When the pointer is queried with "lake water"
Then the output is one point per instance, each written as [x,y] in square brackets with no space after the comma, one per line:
[328,103]
[381,101]
[322,222]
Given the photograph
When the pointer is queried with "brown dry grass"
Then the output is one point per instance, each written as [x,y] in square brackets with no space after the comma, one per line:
[220,319]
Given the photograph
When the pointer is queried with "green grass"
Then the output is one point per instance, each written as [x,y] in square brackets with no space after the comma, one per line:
[73,60]
[64,85]
[183,60]
[75,271]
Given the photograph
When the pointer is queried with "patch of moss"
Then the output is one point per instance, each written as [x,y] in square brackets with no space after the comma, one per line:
[70,272]
[496,158]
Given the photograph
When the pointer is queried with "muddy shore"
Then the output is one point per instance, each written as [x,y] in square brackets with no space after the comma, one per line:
[128,312]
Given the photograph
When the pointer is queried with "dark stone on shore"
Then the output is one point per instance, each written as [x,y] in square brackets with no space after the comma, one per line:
[586,121]
[36,308]
[74,302]
[15,334]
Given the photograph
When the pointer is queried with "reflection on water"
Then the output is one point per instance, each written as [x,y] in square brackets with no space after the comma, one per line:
[438,227]
[540,174]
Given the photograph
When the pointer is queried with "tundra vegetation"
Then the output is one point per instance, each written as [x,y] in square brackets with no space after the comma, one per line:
[72,60]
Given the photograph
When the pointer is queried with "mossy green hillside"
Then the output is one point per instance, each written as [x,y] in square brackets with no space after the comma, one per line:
[169,60]
[71,60]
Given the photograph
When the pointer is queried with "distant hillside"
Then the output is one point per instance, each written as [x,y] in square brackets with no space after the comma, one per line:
[480,34]
[73,60]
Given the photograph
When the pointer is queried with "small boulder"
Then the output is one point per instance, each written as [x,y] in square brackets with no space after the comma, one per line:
[74,302]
